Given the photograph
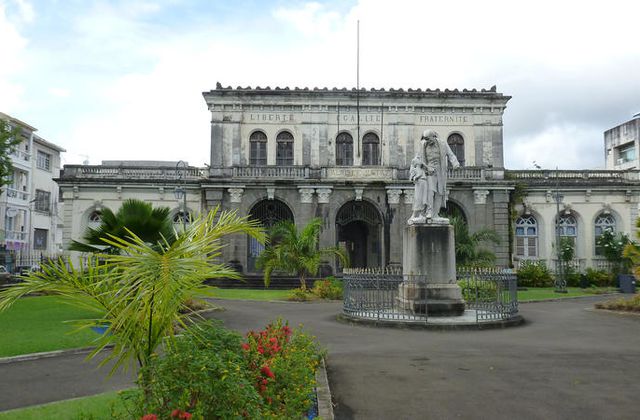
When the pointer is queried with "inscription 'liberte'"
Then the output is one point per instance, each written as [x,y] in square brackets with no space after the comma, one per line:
[271,117]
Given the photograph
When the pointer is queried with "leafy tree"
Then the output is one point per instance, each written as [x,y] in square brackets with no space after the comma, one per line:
[151,225]
[632,252]
[613,247]
[9,140]
[468,250]
[140,292]
[296,252]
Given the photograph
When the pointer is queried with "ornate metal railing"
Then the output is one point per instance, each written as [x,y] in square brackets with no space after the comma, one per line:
[382,295]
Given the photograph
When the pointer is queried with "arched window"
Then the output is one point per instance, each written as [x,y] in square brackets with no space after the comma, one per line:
[344,150]
[456,143]
[568,227]
[258,149]
[95,218]
[181,217]
[526,237]
[603,223]
[284,150]
[370,149]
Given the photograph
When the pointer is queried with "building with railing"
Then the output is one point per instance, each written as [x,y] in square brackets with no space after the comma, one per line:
[343,156]
[30,219]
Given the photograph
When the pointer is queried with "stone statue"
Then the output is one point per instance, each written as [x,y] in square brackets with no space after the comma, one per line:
[429,174]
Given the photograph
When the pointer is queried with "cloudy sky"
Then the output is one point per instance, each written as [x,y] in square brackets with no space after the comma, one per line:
[123,79]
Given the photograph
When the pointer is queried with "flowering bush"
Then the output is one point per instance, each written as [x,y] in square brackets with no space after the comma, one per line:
[282,363]
[212,373]
[202,375]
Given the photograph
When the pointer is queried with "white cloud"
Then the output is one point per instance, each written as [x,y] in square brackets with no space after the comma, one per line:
[137,84]
[59,92]
[556,146]
[310,19]
[12,51]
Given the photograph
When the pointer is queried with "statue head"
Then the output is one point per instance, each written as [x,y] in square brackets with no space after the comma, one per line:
[429,135]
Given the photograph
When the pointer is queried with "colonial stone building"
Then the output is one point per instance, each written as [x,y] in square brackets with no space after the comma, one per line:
[343,156]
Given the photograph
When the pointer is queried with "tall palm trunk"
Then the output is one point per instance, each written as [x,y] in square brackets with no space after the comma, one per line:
[303,282]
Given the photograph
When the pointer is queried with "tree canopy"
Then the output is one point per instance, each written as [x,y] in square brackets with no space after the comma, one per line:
[9,140]
[151,225]
[296,252]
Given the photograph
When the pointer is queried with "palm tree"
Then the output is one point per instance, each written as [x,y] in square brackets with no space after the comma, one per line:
[468,252]
[140,291]
[151,225]
[296,252]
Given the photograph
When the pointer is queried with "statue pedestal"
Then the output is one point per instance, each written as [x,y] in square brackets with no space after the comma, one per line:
[429,270]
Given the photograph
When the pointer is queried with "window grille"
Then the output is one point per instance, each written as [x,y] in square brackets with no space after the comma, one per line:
[258,149]
[370,149]
[527,237]
[344,150]
[603,223]
[456,143]
[284,149]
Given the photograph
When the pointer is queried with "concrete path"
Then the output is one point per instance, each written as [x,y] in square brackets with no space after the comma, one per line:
[567,362]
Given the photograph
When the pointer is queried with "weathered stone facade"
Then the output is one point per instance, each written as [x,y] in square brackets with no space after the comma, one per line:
[300,153]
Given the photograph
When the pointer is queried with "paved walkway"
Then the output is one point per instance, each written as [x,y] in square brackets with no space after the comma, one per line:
[567,362]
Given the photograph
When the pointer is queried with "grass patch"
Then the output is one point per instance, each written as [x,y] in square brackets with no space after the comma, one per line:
[546,293]
[250,294]
[96,407]
[36,324]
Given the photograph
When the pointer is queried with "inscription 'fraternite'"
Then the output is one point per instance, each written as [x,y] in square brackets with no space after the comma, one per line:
[444,119]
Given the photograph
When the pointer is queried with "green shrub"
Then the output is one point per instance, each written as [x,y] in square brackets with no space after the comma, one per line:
[301,295]
[572,277]
[204,373]
[599,278]
[478,290]
[329,288]
[534,274]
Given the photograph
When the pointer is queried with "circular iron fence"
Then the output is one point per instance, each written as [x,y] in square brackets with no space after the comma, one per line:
[375,294]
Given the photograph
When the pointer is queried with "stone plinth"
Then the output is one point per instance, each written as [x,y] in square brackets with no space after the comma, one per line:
[429,269]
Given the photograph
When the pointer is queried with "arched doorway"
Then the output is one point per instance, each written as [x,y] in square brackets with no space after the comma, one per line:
[268,212]
[359,230]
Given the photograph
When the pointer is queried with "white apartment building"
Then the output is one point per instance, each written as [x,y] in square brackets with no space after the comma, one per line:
[621,145]
[30,211]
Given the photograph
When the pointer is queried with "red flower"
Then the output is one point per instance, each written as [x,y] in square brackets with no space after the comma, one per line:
[286,330]
[273,340]
[181,414]
[149,417]
[185,415]
[260,350]
[245,346]
[267,372]
[175,413]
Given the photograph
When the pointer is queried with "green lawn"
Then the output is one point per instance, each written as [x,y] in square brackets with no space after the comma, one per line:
[35,324]
[250,294]
[544,293]
[96,407]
